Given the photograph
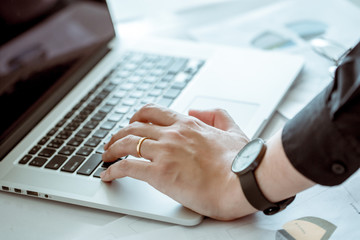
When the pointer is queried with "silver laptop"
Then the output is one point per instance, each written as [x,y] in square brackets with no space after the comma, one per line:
[68,84]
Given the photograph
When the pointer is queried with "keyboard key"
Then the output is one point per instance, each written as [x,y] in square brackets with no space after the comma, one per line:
[155,92]
[72,126]
[84,151]
[151,79]
[172,93]
[181,77]
[168,77]
[134,79]
[108,125]
[177,66]
[73,164]
[25,159]
[98,116]
[144,86]
[122,109]
[193,66]
[137,94]
[61,123]
[98,172]
[52,132]
[166,102]
[56,143]
[67,150]
[75,141]
[47,152]
[106,109]
[161,85]
[95,102]
[127,86]
[35,149]
[102,95]
[92,142]
[101,133]
[38,162]
[148,99]
[83,133]
[100,149]
[113,101]
[79,118]
[90,165]
[115,117]
[86,112]
[109,88]
[120,94]
[164,62]
[129,101]
[56,162]
[108,164]
[44,140]
[64,134]
[69,114]
[179,85]
[91,124]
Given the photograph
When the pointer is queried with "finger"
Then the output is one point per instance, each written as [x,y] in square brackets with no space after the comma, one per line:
[137,129]
[137,169]
[128,146]
[218,118]
[155,114]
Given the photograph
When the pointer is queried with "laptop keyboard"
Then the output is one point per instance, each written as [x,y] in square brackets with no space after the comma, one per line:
[75,144]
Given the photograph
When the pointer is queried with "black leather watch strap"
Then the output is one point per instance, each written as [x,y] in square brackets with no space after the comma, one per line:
[256,198]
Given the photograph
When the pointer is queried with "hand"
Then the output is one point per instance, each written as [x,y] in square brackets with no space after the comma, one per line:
[189,157]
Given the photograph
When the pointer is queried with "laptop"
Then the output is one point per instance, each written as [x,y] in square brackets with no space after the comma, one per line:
[67,83]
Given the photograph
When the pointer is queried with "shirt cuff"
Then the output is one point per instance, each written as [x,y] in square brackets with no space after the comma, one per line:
[314,145]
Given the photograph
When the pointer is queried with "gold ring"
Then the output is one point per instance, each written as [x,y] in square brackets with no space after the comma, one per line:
[138,147]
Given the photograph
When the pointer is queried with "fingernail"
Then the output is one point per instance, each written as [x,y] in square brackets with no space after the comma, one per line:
[102,174]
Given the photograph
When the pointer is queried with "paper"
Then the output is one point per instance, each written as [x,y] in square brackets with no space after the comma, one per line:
[317,213]
[295,27]
[124,226]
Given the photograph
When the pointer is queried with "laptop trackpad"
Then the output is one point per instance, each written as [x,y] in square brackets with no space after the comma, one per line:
[28,178]
[241,112]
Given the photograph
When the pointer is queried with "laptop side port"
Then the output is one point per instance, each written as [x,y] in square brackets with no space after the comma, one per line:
[32,193]
[5,188]
[17,190]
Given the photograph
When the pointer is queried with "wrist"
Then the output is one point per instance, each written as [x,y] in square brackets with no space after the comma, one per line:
[276,176]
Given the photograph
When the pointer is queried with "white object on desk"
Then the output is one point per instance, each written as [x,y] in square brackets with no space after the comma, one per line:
[338,205]
[340,17]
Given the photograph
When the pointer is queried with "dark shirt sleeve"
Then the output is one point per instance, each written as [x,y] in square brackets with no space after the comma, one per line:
[323,140]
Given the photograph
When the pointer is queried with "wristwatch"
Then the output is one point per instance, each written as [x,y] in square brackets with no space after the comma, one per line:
[244,165]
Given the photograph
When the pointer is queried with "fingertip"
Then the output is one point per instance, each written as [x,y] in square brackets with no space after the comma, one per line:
[193,112]
[105,176]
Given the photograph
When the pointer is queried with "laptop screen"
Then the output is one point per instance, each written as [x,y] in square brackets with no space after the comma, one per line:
[43,45]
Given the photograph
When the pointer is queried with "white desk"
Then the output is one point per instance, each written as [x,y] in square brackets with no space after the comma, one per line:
[24,217]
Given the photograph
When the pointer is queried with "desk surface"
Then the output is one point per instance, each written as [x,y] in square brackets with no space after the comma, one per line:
[29,218]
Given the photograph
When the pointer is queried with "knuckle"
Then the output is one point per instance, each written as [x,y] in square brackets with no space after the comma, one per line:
[174,134]
[147,107]
[220,111]
[190,122]
[131,128]
[128,139]
[124,165]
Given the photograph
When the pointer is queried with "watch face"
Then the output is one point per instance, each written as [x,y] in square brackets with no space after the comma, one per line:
[245,160]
